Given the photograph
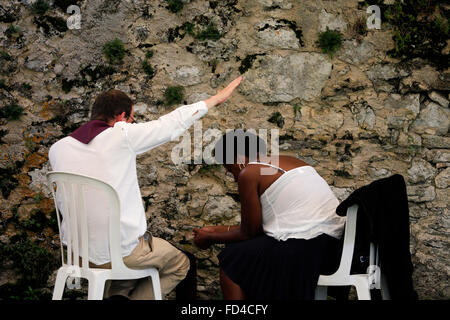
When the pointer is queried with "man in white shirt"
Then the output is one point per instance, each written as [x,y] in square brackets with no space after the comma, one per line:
[105,148]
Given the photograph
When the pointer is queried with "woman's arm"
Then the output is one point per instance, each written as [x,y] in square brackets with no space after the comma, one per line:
[251,217]
[224,228]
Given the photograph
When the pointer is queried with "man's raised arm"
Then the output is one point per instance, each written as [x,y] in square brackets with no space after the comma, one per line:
[148,135]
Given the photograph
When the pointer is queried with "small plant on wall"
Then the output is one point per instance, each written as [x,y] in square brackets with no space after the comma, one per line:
[114,51]
[148,68]
[209,32]
[175,5]
[173,95]
[11,111]
[40,7]
[330,41]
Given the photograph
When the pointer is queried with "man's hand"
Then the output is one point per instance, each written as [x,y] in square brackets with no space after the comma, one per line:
[224,94]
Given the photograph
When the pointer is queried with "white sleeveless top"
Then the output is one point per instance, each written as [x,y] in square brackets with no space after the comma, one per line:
[301,205]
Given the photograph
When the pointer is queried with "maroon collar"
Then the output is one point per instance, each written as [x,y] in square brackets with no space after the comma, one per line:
[89,130]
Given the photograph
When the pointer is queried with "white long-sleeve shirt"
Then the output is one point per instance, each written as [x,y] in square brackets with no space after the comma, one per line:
[111,157]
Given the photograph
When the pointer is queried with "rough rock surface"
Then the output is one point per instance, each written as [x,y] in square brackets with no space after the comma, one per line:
[283,79]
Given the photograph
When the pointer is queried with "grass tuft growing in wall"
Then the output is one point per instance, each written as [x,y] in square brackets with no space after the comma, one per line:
[40,7]
[148,69]
[11,111]
[210,32]
[297,110]
[13,32]
[114,51]
[175,5]
[173,95]
[330,41]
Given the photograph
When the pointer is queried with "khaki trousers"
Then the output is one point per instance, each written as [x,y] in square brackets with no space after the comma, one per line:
[172,265]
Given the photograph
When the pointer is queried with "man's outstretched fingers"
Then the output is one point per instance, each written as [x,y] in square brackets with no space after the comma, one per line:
[225,93]
[222,95]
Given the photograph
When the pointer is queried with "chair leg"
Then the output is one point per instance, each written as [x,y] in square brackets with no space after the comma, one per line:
[156,286]
[362,287]
[384,288]
[96,288]
[60,284]
[321,293]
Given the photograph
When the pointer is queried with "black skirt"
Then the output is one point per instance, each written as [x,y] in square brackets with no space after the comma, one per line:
[268,269]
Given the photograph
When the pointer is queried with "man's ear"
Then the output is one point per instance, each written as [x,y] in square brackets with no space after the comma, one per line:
[120,117]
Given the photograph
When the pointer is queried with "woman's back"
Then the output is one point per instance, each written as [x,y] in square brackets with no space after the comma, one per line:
[297,202]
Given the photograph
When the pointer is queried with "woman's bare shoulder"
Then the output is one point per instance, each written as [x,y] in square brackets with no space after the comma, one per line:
[288,162]
[249,172]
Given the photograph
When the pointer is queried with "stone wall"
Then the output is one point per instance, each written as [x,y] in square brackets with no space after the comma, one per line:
[356,117]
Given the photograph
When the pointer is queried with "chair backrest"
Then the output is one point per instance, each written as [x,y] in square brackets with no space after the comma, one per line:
[69,189]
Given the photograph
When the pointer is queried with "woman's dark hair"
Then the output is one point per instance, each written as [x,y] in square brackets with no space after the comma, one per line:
[109,104]
[238,142]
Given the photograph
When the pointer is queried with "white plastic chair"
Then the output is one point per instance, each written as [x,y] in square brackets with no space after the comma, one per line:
[363,283]
[71,191]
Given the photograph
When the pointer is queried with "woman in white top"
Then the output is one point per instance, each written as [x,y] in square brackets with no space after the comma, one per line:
[288,224]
